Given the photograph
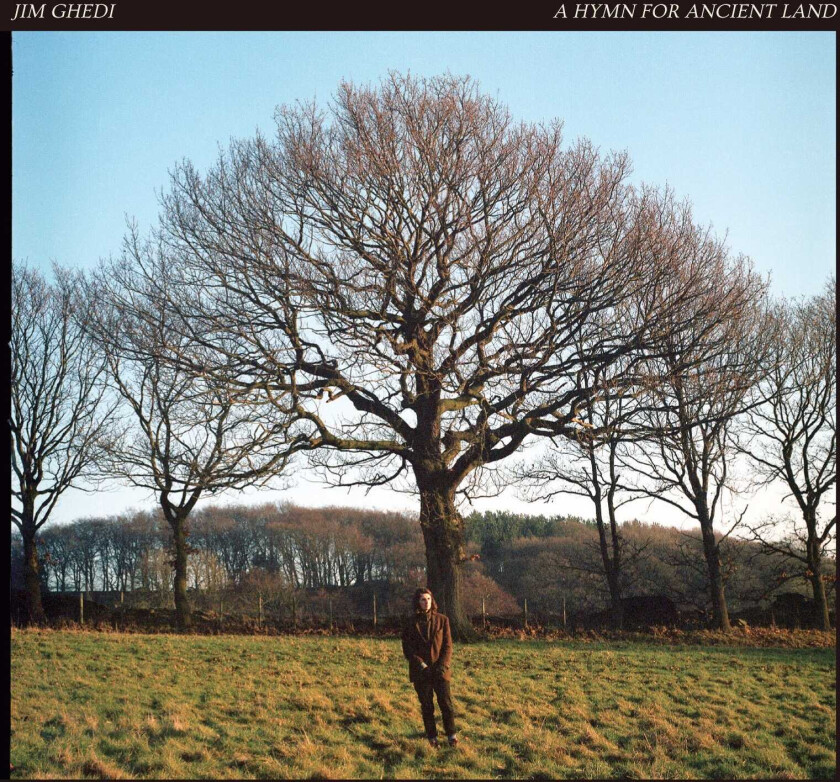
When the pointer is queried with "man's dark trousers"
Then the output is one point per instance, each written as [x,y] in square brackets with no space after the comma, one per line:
[426,691]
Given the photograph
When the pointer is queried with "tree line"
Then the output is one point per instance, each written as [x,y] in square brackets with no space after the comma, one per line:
[549,560]
[304,547]
[553,563]
[408,288]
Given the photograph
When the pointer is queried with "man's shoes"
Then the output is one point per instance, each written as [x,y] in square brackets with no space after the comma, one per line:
[434,742]
[453,741]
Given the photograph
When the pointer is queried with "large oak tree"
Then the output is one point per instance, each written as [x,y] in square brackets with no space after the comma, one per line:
[443,270]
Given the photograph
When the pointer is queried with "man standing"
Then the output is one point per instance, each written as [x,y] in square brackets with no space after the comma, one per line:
[427,645]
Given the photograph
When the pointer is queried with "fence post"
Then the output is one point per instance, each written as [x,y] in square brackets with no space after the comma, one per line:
[81,608]
[122,596]
[564,612]
[259,619]
[526,612]
[374,609]
[483,614]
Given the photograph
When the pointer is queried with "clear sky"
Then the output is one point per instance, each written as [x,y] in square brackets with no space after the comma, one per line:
[743,124]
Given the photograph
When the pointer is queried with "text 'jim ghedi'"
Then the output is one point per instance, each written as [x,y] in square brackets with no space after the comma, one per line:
[65,11]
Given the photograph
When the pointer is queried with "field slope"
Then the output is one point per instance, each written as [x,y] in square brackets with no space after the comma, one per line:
[113,706]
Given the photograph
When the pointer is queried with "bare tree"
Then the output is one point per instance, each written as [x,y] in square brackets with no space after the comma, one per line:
[59,418]
[792,433]
[190,437]
[701,386]
[437,272]
[589,466]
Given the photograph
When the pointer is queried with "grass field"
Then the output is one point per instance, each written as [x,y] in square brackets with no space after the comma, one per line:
[133,706]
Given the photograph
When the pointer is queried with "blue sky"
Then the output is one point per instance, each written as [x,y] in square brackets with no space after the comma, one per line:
[741,123]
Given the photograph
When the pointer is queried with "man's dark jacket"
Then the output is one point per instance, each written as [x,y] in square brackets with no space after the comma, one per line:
[434,650]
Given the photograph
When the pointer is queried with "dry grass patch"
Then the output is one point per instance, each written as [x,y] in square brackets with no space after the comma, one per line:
[331,707]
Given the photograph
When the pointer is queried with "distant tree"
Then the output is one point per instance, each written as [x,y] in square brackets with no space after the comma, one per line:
[60,418]
[284,538]
[130,537]
[85,551]
[481,591]
[494,530]
[230,534]
[102,532]
[265,552]
[397,545]
[549,571]
[665,569]
[156,571]
[206,571]
[442,271]
[57,545]
[792,432]
[145,532]
[353,548]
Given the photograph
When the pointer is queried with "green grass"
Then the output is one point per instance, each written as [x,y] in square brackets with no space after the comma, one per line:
[163,706]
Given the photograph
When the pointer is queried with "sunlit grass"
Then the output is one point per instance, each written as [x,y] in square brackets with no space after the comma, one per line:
[163,706]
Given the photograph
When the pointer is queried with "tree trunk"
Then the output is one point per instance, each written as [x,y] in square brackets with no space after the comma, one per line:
[443,534]
[817,584]
[616,607]
[820,601]
[32,579]
[611,563]
[720,613]
[183,614]
[610,567]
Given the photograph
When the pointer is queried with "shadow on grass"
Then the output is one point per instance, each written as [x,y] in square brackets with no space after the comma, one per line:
[53,729]
[391,755]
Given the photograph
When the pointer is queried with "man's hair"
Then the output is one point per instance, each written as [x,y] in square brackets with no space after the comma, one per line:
[416,599]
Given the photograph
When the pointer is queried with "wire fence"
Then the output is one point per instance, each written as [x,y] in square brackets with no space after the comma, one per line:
[340,610]
[361,609]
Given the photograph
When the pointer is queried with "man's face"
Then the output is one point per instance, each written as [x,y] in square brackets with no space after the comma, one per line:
[425,601]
